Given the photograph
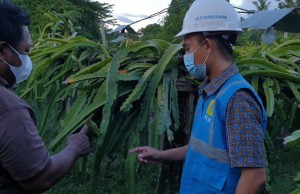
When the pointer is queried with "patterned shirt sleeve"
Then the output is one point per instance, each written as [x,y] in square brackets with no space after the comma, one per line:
[245,137]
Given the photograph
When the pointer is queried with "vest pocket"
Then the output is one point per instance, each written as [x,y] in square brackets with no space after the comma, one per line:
[210,175]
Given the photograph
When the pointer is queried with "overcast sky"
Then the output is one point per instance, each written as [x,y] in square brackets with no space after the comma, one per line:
[128,11]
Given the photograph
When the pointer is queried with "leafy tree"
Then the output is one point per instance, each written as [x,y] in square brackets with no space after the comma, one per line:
[174,19]
[91,14]
[152,31]
[288,3]
[250,37]
[171,24]
[261,4]
[36,10]
[82,13]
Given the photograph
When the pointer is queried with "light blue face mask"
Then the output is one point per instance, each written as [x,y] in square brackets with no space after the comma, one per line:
[23,72]
[199,70]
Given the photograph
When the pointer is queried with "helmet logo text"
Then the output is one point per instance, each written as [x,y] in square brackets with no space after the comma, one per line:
[211,17]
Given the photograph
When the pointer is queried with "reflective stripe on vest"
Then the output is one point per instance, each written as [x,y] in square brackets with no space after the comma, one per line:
[209,151]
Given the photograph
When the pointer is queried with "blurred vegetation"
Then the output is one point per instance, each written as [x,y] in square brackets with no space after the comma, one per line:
[84,13]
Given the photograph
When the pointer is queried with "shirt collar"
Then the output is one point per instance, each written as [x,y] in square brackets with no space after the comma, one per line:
[4,83]
[210,87]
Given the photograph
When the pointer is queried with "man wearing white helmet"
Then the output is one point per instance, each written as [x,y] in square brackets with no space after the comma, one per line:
[225,152]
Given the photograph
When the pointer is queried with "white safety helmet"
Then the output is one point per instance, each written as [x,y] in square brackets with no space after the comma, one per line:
[210,15]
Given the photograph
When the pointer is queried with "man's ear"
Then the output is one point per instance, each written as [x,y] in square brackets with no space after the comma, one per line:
[209,44]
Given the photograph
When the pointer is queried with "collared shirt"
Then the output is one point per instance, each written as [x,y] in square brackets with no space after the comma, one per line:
[4,83]
[244,132]
[23,155]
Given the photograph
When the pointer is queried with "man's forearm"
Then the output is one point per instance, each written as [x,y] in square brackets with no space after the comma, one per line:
[251,181]
[175,154]
[61,164]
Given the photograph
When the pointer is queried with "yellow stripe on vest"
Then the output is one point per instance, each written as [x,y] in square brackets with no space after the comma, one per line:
[210,108]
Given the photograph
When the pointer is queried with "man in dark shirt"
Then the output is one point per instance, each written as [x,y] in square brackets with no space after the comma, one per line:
[25,164]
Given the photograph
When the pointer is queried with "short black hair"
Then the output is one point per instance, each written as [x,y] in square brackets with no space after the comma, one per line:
[12,18]
[225,41]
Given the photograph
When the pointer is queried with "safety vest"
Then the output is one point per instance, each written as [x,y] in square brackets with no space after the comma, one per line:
[207,164]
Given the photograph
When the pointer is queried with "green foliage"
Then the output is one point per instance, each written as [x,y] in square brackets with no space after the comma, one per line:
[152,31]
[111,180]
[250,37]
[261,4]
[170,25]
[37,9]
[131,164]
[288,3]
[91,12]
[284,166]
[83,13]
[274,73]
[173,21]
[293,141]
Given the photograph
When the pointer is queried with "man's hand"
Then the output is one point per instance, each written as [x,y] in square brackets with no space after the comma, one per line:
[147,155]
[61,163]
[80,142]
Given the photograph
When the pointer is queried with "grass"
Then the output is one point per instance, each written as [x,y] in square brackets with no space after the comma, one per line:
[112,179]
[284,165]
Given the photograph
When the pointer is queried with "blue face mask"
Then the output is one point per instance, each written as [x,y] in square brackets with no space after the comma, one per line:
[199,70]
[23,72]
